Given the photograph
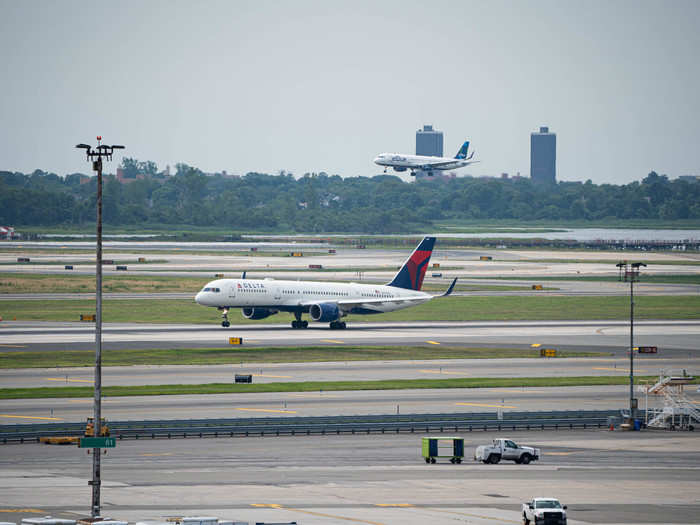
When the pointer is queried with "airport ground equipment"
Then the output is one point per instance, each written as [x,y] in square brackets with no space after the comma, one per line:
[502,448]
[678,411]
[90,427]
[452,447]
[544,511]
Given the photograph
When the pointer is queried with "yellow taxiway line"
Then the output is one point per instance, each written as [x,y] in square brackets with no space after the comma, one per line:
[312,513]
[485,405]
[626,371]
[332,341]
[432,342]
[33,417]
[64,380]
[442,372]
[268,410]
[269,375]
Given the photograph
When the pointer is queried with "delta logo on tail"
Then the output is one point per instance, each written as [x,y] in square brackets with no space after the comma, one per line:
[413,271]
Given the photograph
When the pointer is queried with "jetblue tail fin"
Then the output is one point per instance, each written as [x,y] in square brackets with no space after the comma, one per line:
[462,153]
[411,274]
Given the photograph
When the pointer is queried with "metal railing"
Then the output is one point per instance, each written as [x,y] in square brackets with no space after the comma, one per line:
[368,424]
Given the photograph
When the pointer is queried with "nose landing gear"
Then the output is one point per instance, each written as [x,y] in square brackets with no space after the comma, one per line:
[224,314]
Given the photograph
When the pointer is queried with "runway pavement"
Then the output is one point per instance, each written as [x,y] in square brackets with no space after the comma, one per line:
[670,336]
[614,366]
[290,404]
[603,477]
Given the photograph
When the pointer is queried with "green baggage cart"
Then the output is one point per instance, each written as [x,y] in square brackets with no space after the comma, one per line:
[443,447]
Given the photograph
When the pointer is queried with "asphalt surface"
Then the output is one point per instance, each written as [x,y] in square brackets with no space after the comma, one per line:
[321,403]
[347,371]
[671,336]
[603,477]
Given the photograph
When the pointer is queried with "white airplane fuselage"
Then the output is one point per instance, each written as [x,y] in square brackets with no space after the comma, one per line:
[301,295]
[414,162]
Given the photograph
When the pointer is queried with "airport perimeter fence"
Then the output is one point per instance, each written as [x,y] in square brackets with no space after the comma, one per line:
[300,426]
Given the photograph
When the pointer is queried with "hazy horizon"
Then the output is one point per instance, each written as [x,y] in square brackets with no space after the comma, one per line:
[312,86]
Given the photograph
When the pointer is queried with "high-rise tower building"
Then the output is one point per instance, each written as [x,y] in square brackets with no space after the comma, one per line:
[429,142]
[543,156]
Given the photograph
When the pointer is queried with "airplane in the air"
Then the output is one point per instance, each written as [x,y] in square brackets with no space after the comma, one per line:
[425,163]
[325,302]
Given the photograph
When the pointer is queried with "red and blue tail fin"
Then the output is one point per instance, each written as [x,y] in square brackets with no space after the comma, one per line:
[411,274]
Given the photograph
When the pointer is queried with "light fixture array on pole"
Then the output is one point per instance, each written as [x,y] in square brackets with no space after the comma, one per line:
[96,155]
[629,272]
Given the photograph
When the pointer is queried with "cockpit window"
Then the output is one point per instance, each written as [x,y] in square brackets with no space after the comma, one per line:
[215,290]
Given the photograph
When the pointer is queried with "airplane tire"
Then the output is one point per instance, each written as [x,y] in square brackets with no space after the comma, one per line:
[342,325]
[295,324]
[304,324]
[225,324]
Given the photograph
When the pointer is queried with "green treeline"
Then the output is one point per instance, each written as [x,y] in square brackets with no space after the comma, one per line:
[325,203]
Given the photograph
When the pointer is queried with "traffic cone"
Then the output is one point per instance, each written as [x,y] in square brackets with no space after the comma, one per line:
[612,426]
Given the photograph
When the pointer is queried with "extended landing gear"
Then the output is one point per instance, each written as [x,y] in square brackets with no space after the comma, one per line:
[337,325]
[298,323]
[224,315]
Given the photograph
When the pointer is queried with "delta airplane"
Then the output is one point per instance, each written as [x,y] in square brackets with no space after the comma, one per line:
[325,302]
[420,162]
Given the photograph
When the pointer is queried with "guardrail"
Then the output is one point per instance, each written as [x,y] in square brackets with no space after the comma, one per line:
[409,423]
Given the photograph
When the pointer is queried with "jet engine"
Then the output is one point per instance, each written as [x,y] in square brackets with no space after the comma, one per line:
[324,312]
[399,168]
[257,313]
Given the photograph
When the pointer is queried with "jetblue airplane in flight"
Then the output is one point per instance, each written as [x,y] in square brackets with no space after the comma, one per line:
[325,302]
[420,162]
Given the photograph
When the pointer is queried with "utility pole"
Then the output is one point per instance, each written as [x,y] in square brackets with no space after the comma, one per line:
[96,156]
[629,272]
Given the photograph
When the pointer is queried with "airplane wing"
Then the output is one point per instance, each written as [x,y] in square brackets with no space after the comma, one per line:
[372,304]
[444,164]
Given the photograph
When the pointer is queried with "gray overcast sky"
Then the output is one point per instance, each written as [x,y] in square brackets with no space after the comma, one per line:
[326,85]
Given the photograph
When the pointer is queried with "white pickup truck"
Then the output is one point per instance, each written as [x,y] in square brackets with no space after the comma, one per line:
[505,449]
[544,511]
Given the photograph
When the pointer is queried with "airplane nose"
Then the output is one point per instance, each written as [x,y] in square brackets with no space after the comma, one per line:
[198,298]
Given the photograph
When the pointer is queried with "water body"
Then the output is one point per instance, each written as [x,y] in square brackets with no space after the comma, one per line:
[574,234]
[590,234]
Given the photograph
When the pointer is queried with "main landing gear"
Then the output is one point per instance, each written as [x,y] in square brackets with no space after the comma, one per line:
[337,325]
[298,323]
[224,315]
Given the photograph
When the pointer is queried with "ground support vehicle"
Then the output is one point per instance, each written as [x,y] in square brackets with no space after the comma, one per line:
[502,448]
[544,511]
[443,447]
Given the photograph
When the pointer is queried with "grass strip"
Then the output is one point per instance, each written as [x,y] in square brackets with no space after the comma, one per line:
[317,386]
[15,283]
[230,355]
[456,308]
